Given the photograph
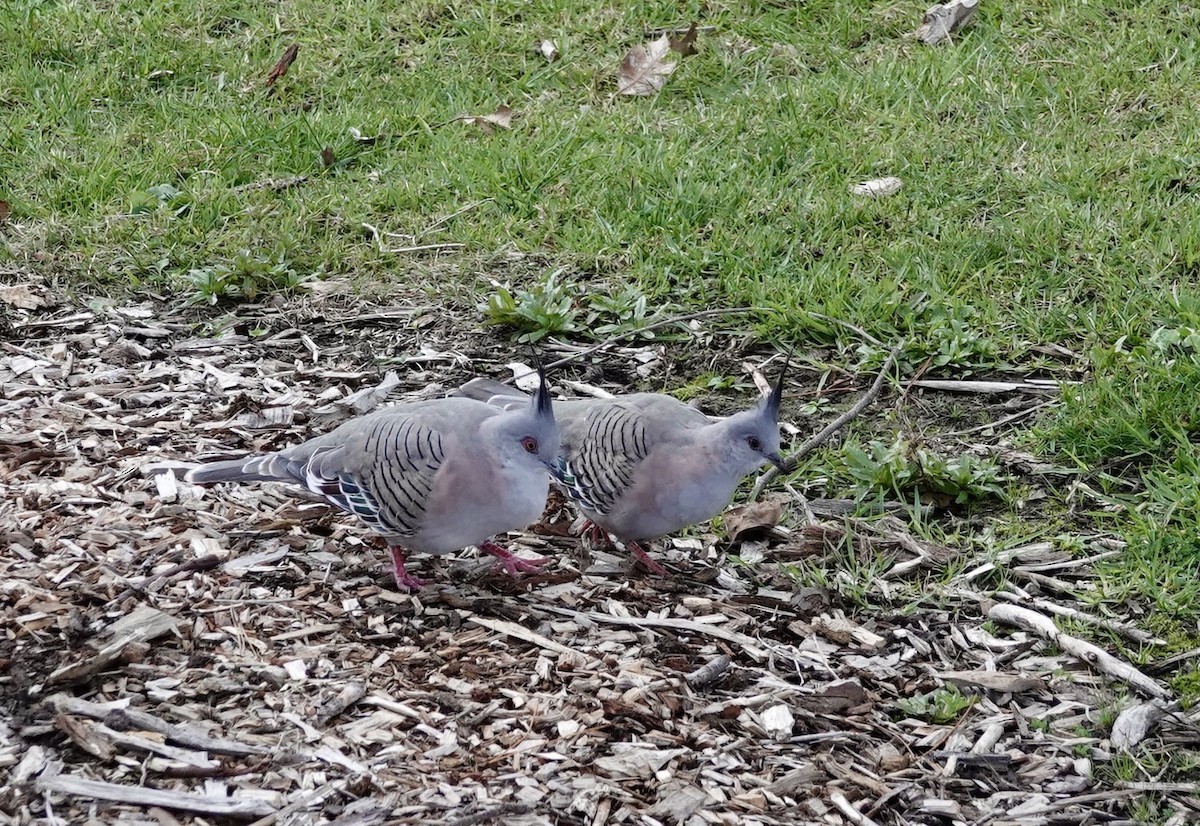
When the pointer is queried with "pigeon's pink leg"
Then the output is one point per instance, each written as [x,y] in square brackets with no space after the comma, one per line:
[404,580]
[593,532]
[511,563]
[644,558]
[596,535]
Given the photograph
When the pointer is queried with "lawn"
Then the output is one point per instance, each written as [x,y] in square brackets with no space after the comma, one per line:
[1047,226]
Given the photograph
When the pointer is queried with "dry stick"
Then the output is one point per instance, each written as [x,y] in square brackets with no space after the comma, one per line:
[632,333]
[790,463]
[424,248]
[520,632]
[133,718]
[317,794]
[1127,631]
[1163,666]
[708,673]
[439,222]
[847,808]
[748,645]
[491,814]
[201,563]
[351,694]
[203,804]
[1094,656]
[1020,414]
[692,317]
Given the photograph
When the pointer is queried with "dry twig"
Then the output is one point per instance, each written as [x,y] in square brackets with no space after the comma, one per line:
[790,463]
[1084,650]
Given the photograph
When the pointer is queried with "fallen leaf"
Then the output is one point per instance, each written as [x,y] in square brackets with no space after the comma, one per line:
[643,71]
[945,19]
[547,49]
[21,296]
[524,376]
[502,118]
[1134,723]
[745,519]
[284,63]
[685,45]
[328,159]
[878,187]
[837,697]
[5,211]
[635,760]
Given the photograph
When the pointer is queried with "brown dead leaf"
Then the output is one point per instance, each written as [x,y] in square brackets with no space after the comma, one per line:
[685,44]
[546,49]
[643,71]
[836,698]
[21,296]
[743,520]
[328,159]
[5,211]
[502,118]
[284,63]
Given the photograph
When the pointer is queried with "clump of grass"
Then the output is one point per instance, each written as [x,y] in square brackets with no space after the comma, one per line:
[941,706]
[1140,406]
[247,277]
[553,306]
[906,469]
[546,308]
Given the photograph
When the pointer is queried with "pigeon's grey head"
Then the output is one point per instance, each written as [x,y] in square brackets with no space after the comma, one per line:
[531,433]
[754,434]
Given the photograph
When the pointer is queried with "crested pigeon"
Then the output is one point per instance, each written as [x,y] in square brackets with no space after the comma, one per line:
[645,465]
[431,476]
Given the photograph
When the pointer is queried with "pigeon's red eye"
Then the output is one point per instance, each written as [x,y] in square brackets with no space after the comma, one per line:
[530,444]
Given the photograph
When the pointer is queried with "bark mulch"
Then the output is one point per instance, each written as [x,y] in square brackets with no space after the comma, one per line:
[172,654]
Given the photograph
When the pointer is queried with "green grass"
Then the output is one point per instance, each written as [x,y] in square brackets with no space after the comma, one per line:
[1132,432]
[1048,157]
[1050,161]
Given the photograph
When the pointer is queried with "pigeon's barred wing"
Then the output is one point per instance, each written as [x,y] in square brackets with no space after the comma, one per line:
[386,478]
[601,455]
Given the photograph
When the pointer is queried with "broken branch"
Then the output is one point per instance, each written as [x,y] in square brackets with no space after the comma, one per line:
[790,463]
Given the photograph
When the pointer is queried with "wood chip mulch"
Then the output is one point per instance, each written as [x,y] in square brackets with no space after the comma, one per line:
[174,654]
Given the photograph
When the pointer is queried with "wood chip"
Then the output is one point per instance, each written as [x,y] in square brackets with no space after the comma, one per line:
[993,681]
[200,804]
[202,640]
[143,625]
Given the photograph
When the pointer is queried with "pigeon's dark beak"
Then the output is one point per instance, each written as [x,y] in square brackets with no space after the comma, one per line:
[777,461]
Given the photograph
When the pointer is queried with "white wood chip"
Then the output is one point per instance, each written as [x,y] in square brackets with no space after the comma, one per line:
[778,721]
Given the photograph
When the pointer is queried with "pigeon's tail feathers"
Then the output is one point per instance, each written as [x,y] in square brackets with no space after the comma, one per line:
[268,468]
